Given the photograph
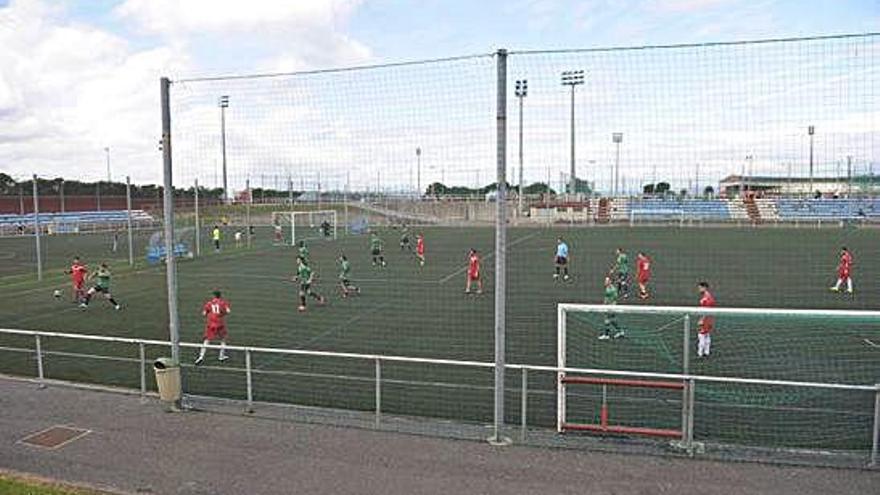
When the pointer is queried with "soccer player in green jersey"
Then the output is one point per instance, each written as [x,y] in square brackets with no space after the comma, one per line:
[621,271]
[344,277]
[102,285]
[611,329]
[376,248]
[303,251]
[305,276]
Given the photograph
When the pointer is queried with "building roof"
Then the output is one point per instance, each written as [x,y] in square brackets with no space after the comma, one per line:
[758,179]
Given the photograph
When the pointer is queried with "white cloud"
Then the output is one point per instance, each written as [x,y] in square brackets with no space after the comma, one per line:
[176,17]
[68,88]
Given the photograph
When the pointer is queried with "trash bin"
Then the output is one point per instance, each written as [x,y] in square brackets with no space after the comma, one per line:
[167,379]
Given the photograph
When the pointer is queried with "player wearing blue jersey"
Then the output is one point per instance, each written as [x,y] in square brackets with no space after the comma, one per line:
[561,260]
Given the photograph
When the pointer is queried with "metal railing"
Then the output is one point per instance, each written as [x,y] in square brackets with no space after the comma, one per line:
[379,360]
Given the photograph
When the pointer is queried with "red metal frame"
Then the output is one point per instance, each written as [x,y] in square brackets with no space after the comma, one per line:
[603,426]
[623,382]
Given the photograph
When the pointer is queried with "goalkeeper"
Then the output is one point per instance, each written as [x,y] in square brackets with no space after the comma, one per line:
[404,239]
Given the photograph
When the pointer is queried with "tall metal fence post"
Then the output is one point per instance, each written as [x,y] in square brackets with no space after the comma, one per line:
[247,210]
[128,220]
[378,392]
[37,230]
[248,369]
[685,368]
[197,219]
[689,440]
[524,405]
[168,215]
[142,360]
[500,248]
[61,194]
[38,348]
[875,447]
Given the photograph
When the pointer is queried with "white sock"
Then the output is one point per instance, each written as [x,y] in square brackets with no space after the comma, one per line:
[222,348]
[849,284]
[204,349]
[837,285]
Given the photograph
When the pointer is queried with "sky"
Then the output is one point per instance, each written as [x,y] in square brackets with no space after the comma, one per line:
[78,78]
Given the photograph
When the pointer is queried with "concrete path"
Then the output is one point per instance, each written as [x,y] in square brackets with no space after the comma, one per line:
[137,448]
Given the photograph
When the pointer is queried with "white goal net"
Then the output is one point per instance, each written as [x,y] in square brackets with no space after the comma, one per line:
[294,226]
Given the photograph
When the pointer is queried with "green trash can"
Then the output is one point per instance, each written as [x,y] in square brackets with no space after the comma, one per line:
[167,379]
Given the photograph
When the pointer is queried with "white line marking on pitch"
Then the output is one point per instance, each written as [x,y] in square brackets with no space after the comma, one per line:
[870,343]
[461,270]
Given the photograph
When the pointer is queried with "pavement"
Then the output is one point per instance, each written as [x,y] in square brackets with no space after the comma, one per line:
[136,447]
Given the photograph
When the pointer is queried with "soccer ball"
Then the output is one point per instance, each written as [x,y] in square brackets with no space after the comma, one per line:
[57,294]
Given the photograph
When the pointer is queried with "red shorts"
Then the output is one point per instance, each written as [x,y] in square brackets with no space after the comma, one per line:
[215,332]
[420,252]
[843,272]
[473,275]
[644,277]
[78,284]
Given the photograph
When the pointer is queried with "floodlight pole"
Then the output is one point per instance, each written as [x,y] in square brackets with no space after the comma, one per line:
[498,437]
[811,130]
[61,194]
[572,78]
[224,104]
[522,90]
[419,172]
[107,152]
[848,176]
[197,219]
[616,138]
[128,220]
[168,217]
[37,229]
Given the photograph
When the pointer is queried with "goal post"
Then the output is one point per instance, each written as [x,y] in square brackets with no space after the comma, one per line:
[306,225]
[791,378]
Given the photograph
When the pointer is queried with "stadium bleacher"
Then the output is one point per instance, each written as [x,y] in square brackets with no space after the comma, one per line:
[671,209]
[73,221]
[828,209]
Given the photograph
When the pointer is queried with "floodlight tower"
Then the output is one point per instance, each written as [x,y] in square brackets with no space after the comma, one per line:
[522,90]
[419,172]
[616,138]
[107,152]
[810,131]
[572,78]
[224,104]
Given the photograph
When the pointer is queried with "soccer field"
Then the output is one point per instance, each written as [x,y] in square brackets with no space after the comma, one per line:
[406,310]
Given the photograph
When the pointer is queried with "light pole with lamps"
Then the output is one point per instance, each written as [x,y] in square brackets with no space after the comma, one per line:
[616,138]
[572,78]
[810,131]
[224,104]
[419,171]
[521,91]
[107,152]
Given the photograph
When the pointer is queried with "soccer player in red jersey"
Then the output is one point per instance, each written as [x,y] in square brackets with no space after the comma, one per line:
[420,249]
[78,272]
[473,272]
[215,311]
[844,271]
[643,267]
[706,323]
